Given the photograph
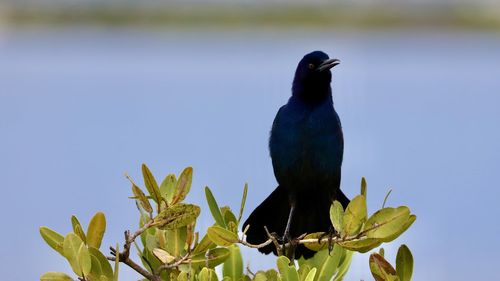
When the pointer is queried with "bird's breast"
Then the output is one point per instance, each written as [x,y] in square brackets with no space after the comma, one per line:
[307,146]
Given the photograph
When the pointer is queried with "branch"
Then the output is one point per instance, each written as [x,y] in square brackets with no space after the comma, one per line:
[124,256]
[172,265]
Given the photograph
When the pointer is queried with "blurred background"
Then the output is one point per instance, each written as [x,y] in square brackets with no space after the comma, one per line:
[91,89]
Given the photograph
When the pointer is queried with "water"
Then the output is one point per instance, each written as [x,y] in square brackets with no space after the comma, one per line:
[81,106]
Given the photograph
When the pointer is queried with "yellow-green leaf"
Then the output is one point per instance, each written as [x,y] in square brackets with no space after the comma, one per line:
[213,258]
[84,260]
[163,255]
[214,208]
[106,268]
[228,216]
[222,236]
[167,188]
[363,186]
[117,263]
[143,200]
[361,245]
[183,185]
[337,216]
[71,247]
[315,246]
[287,271]
[345,263]
[77,228]
[176,216]
[176,240]
[207,274]
[355,215]
[233,266]
[386,222]
[96,270]
[205,244]
[330,265]
[404,263]
[405,226]
[243,200]
[310,275]
[96,229]
[151,184]
[55,276]
[53,239]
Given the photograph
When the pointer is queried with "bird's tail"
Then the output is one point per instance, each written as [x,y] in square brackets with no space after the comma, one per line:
[273,213]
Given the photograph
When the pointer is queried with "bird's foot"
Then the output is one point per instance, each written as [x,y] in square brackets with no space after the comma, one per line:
[330,233]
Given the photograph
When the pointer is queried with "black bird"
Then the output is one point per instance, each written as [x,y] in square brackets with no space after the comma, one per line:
[307,146]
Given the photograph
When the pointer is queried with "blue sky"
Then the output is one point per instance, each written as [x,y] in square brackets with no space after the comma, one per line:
[79,107]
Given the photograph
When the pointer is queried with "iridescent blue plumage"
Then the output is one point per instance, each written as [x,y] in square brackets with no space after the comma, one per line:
[306,147]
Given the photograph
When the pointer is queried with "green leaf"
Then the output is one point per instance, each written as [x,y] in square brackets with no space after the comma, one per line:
[387,222]
[55,276]
[243,200]
[53,239]
[330,265]
[303,271]
[84,260]
[233,266]
[143,200]
[355,215]
[207,274]
[151,184]
[176,216]
[106,269]
[272,275]
[287,271]
[96,270]
[221,236]
[182,276]
[167,188]
[176,240]
[96,229]
[117,263]
[77,228]
[183,185]
[310,275]
[205,244]
[363,186]
[337,216]
[259,276]
[229,216]
[404,263]
[315,246]
[381,252]
[381,269]
[344,265]
[405,226]
[213,258]
[214,208]
[71,246]
[361,245]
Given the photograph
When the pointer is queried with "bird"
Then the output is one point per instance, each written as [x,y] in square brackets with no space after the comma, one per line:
[306,146]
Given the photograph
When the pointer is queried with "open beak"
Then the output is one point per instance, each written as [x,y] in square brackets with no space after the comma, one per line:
[327,64]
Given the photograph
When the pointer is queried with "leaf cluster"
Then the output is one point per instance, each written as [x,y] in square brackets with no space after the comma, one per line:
[170,248]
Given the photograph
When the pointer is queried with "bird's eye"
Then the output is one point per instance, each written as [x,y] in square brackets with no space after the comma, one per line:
[311,66]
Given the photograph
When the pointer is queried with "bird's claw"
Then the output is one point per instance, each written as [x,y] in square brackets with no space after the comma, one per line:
[330,233]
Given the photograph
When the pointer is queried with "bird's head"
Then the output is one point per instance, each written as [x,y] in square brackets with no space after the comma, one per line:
[313,76]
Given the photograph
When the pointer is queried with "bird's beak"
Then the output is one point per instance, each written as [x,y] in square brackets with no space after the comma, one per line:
[327,64]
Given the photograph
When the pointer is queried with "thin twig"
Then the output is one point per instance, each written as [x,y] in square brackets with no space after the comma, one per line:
[125,254]
[172,265]
[279,250]
[148,275]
